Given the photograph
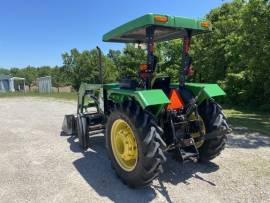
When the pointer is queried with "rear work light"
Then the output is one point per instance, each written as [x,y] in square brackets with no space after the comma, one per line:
[143,67]
[205,24]
[162,19]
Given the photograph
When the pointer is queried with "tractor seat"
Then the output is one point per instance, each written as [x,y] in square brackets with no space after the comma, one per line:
[128,83]
[162,82]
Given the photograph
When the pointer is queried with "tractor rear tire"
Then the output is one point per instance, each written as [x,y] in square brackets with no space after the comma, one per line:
[216,124]
[149,156]
[82,131]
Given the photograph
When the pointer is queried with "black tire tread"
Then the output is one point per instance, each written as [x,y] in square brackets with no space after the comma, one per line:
[82,131]
[152,156]
[215,122]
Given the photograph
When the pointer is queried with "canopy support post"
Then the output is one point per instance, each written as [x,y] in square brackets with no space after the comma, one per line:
[185,57]
[150,54]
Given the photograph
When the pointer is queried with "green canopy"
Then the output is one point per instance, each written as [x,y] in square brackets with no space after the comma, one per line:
[166,28]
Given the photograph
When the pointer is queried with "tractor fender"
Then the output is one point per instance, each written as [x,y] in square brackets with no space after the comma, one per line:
[205,90]
[208,90]
[153,99]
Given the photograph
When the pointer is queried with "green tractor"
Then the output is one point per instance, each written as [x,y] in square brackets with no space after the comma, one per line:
[147,118]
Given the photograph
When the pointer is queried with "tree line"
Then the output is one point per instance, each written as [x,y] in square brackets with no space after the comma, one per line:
[31,74]
[236,55]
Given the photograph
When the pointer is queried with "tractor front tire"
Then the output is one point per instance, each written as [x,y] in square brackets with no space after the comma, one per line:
[82,131]
[134,144]
[216,124]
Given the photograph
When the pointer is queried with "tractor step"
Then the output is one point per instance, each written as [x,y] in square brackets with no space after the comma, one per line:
[94,118]
[186,150]
[95,123]
[95,132]
[96,129]
[183,156]
[187,142]
[189,150]
[184,146]
[189,156]
[88,124]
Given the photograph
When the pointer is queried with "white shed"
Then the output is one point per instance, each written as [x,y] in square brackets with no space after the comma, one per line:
[11,84]
[45,84]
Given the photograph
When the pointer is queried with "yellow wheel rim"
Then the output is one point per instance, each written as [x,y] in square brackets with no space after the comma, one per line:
[197,134]
[124,145]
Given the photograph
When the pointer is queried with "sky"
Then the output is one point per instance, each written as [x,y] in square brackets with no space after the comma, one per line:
[37,32]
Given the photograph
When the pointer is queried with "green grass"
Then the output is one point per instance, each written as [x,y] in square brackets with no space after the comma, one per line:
[57,95]
[253,120]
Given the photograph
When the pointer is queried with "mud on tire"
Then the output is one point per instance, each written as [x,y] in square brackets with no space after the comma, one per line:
[149,144]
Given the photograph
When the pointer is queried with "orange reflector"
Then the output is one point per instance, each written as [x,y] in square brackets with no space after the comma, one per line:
[176,100]
[162,19]
[205,24]
[143,67]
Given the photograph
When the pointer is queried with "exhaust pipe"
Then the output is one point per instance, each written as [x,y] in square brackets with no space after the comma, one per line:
[100,65]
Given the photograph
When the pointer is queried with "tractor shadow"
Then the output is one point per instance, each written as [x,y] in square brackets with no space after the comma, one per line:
[177,173]
[96,169]
[241,137]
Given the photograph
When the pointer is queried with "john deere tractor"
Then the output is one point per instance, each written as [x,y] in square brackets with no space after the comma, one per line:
[147,118]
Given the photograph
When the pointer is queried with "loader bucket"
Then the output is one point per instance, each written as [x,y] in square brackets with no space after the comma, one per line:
[69,125]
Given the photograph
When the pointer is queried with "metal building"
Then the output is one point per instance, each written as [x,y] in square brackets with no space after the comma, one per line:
[11,84]
[45,84]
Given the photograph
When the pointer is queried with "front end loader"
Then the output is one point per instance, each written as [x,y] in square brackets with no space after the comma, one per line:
[146,118]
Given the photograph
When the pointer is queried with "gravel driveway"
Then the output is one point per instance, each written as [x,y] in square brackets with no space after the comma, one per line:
[38,165]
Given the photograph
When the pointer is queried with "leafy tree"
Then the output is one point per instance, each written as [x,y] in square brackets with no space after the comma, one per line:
[44,71]
[30,74]
[114,55]
[235,54]
[58,77]
[15,72]
[83,67]
[255,46]
[4,71]
[169,58]
[217,52]
[129,60]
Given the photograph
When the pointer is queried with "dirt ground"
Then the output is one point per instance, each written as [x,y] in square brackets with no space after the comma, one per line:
[39,165]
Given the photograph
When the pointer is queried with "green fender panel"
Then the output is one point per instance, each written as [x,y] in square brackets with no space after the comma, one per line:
[155,99]
[208,90]
[152,97]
